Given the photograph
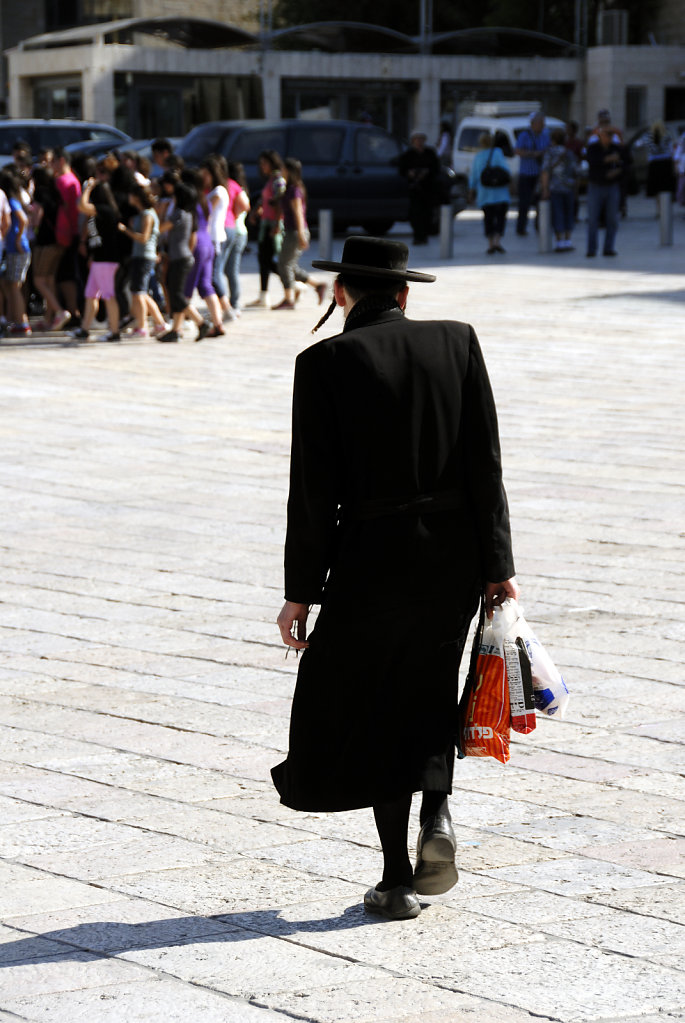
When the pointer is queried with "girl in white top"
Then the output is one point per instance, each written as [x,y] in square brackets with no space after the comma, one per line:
[213,172]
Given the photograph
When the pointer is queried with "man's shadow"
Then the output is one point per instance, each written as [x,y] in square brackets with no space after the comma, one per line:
[107,938]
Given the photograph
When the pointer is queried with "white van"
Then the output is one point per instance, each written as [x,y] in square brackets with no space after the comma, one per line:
[507,117]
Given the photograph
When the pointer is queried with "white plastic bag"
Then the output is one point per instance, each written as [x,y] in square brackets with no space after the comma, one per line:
[549,689]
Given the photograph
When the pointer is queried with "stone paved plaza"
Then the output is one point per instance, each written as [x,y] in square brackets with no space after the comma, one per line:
[148,871]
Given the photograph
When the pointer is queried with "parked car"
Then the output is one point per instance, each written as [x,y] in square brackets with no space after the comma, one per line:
[42,133]
[492,117]
[349,167]
[144,146]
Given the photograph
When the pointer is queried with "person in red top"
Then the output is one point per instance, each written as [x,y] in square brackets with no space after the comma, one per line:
[66,228]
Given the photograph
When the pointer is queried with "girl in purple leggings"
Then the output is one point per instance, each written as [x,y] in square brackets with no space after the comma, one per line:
[200,276]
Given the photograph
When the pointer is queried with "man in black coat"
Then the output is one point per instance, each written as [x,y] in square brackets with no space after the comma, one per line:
[420,165]
[397,522]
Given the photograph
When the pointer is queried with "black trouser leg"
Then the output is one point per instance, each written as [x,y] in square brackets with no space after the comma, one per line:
[392,821]
[265,258]
[434,804]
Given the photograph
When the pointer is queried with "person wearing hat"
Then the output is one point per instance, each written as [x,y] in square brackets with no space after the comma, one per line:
[420,165]
[397,523]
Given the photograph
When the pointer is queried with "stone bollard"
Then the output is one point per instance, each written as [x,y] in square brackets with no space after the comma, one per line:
[325,234]
[544,225]
[665,203]
[446,232]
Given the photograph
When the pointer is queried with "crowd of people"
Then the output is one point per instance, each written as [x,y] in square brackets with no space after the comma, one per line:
[550,165]
[129,241]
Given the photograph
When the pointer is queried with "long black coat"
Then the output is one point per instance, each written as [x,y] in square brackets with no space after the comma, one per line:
[396,517]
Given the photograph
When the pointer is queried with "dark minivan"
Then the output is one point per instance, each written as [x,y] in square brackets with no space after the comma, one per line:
[51,132]
[348,167]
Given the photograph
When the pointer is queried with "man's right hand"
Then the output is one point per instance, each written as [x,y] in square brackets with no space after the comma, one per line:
[497,593]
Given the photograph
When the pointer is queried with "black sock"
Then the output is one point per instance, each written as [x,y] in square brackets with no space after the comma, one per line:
[434,804]
[392,821]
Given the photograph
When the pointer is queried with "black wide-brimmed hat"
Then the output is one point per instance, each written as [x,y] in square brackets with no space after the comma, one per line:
[374,257]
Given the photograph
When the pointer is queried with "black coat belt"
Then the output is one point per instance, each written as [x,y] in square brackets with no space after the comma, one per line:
[441,500]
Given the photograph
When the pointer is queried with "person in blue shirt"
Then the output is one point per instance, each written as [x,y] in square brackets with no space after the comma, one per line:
[531,148]
[17,253]
[494,201]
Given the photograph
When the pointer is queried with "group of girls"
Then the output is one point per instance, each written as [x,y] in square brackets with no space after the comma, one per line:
[133,244]
[147,247]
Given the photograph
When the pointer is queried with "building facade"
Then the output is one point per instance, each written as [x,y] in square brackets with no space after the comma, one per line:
[162,74]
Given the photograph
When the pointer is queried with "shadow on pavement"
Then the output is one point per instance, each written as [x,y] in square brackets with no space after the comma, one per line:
[109,938]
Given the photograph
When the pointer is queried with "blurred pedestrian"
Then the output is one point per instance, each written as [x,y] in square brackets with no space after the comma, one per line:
[17,253]
[558,183]
[200,276]
[180,229]
[239,207]
[46,251]
[679,160]
[661,176]
[531,146]
[444,144]
[143,230]
[295,237]
[268,214]
[492,199]
[161,149]
[67,229]
[605,168]
[98,204]
[419,164]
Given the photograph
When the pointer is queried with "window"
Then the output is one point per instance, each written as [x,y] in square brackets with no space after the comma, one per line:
[636,105]
[202,141]
[314,143]
[375,147]
[248,146]
[674,103]
[468,139]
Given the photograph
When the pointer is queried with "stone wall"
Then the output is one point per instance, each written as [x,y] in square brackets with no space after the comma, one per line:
[610,69]
[244,13]
[668,22]
[17,21]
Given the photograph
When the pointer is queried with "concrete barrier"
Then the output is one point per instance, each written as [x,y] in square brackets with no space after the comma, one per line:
[325,234]
[446,232]
[665,203]
[545,225]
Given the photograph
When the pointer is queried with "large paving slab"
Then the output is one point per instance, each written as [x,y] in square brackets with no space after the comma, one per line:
[147,871]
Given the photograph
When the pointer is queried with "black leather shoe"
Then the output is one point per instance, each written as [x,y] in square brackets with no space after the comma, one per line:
[435,872]
[396,904]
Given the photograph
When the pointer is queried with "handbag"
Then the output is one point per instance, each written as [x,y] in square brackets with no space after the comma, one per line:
[494,177]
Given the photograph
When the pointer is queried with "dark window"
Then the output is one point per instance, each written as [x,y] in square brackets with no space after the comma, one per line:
[61,14]
[313,143]
[103,133]
[674,103]
[248,146]
[201,142]
[376,147]
[469,139]
[636,105]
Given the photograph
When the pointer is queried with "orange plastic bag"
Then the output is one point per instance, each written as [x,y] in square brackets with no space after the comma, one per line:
[485,709]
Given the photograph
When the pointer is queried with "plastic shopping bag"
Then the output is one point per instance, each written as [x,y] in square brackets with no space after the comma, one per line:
[484,725]
[549,689]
